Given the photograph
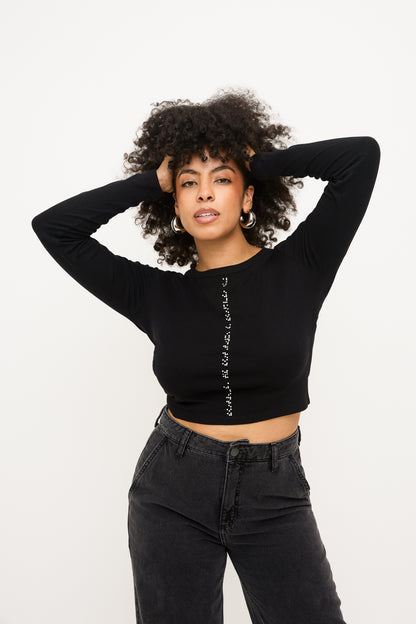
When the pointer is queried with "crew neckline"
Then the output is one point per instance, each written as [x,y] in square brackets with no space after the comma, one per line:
[230,268]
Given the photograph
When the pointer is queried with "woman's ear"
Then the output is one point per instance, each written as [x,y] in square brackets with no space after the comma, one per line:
[248,194]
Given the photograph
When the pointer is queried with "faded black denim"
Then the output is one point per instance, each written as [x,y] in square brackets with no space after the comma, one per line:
[195,498]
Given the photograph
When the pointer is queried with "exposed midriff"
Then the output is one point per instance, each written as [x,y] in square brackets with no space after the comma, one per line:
[264,431]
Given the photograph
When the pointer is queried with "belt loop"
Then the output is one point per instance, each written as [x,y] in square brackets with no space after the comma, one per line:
[184,441]
[275,456]
[300,436]
[160,414]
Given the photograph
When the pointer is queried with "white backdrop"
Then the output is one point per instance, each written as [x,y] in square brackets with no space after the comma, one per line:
[79,398]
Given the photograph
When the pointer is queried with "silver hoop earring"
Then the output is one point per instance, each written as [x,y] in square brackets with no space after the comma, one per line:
[251,220]
[175,227]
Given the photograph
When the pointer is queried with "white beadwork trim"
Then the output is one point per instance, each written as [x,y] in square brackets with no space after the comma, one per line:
[227,336]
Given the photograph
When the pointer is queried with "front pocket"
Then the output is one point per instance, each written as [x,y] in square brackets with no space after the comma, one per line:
[299,471]
[154,443]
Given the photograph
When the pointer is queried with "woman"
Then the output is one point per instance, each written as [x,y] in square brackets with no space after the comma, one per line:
[221,471]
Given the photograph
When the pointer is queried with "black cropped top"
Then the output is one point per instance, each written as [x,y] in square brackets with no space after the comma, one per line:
[233,344]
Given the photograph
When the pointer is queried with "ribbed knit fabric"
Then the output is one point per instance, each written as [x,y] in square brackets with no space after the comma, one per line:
[233,344]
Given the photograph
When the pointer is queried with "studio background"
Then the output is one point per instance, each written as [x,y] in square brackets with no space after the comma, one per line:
[79,398]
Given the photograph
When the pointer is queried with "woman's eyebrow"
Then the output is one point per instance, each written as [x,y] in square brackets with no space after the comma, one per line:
[212,170]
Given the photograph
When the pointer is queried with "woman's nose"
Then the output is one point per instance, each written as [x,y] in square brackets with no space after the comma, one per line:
[205,192]
[205,195]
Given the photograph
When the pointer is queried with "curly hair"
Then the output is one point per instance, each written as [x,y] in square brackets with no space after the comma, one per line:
[222,123]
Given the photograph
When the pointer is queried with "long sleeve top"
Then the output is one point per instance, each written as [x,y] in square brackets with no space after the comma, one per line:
[232,344]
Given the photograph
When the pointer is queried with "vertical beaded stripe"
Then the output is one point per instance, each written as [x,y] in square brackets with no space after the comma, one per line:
[224,357]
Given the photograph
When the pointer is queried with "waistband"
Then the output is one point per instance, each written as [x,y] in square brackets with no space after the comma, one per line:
[241,449]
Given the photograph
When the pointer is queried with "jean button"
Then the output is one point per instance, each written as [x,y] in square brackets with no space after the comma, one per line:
[234,451]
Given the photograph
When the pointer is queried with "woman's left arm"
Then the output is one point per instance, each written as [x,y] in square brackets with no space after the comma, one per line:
[350,165]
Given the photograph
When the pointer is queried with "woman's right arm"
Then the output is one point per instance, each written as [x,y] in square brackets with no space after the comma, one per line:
[65,231]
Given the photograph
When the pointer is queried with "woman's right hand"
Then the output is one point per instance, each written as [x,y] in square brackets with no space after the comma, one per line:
[164,174]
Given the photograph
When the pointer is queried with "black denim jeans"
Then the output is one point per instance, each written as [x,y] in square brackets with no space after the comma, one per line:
[195,498]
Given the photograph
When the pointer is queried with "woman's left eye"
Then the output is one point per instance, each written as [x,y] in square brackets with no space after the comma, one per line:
[223,179]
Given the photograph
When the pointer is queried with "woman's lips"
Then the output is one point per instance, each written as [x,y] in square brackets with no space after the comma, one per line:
[207,219]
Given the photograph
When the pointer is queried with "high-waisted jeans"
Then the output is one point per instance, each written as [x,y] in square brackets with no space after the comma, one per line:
[193,499]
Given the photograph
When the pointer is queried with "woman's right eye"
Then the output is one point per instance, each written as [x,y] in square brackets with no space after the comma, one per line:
[189,182]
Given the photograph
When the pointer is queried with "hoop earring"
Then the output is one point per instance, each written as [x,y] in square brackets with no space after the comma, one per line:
[251,220]
[175,227]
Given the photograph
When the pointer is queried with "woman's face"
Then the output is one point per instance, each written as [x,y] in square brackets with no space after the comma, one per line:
[212,185]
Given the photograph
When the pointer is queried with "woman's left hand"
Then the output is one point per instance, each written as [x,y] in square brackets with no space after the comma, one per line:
[250,152]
